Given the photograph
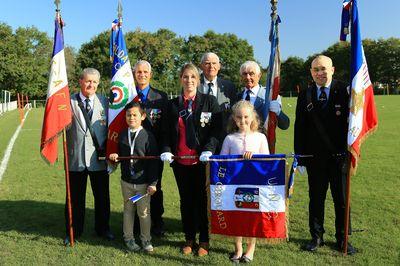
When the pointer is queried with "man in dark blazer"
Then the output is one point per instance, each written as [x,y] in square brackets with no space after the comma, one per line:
[222,89]
[321,131]
[250,73]
[83,156]
[155,103]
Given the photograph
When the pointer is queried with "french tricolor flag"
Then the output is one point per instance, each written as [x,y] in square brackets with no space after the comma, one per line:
[247,197]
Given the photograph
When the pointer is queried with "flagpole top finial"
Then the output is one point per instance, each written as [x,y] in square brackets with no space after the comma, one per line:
[57,3]
[119,10]
[274,8]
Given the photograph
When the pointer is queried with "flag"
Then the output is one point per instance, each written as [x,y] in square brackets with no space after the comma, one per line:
[247,197]
[293,170]
[57,114]
[363,118]
[273,80]
[136,198]
[122,86]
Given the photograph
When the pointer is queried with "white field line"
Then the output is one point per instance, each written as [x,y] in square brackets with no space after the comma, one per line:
[6,157]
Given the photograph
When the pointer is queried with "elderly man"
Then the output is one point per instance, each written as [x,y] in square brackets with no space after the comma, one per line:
[86,140]
[250,74]
[154,102]
[222,89]
[321,130]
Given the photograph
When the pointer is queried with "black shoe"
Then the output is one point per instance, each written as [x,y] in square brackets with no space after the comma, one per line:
[350,249]
[67,241]
[107,235]
[314,244]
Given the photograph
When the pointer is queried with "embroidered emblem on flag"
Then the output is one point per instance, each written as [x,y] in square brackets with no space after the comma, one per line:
[120,95]
[246,197]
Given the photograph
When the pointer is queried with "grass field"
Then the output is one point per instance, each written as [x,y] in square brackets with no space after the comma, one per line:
[32,208]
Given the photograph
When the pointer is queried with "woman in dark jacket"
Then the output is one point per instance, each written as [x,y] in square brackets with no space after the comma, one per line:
[193,129]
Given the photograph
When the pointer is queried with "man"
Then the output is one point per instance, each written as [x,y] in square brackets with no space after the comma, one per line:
[85,142]
[250,74]
[321,131]
[223,90]
[154,102]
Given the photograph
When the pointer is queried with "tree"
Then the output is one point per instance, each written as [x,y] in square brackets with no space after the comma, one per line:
[292,74]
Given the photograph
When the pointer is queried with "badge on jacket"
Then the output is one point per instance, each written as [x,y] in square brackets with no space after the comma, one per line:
[337,108]
[155,114]
[103,118]
[205,118]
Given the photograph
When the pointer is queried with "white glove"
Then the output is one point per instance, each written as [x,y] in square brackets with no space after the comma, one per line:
[205,156]
[301,169]
[166,157]
[275,106]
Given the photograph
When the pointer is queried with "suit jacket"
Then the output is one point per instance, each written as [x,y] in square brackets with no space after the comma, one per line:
[81,150]
[145,171]
[282,118]
[156,107]
[333,118]
[207,136]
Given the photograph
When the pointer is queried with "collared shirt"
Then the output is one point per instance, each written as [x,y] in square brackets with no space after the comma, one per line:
[145,92]
[253,93]
[214,87]
[91,100]
[327,90]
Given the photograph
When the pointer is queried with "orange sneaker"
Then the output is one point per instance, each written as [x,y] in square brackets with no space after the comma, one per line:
[203,249]
[187,247]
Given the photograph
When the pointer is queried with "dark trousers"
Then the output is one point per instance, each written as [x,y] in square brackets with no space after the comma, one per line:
[157,202]
[191,181]
[99,181]
[324,172]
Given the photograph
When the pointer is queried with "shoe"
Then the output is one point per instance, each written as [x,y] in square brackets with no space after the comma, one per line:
[314,244]
[203,249]
[147,247]
[67,240]
[107,235]
[234,258]
[131,245]
[245,259]
[187,247]
[350,249]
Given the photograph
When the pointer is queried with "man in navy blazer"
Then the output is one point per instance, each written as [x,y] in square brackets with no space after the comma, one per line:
[250,74]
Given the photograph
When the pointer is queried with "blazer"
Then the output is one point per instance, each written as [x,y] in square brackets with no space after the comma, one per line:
[81,150]
[207,135]
[156,107]
[260,102]
[333,118]
[145,171]
[226,98]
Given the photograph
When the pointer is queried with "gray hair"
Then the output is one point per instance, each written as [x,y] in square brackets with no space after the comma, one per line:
[89,71]
[206,55]
[250,65]
[141,62]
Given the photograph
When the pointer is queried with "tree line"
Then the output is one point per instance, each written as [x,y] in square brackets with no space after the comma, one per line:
[26,54]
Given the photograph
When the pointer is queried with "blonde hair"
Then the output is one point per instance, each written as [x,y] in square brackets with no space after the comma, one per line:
[192,67]
[232,127]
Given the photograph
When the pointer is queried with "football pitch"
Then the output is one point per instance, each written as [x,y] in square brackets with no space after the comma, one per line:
[32,196]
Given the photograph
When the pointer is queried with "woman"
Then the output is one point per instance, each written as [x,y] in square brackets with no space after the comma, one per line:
[193,126]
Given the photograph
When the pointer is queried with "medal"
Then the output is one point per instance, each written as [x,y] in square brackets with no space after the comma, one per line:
[203,124]
[202,120]
[338,113]
[206,120]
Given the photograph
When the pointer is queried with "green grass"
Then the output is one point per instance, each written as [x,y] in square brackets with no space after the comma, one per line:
[32,198]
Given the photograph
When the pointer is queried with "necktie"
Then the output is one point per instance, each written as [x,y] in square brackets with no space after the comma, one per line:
[247,95]
[210,91]
[322,97]
[88,108]
[133,134]
[189,126]
[141,96]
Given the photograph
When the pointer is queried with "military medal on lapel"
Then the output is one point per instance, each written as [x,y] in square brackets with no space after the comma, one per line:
[205,118]
[155,114]
[337,107]
[103,118]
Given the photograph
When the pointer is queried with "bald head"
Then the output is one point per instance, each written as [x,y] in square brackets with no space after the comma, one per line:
[322,70]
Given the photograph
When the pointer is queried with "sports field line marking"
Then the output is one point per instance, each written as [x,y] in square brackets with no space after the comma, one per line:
[6,157]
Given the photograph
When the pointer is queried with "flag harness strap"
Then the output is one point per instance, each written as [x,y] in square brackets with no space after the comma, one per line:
[100,151]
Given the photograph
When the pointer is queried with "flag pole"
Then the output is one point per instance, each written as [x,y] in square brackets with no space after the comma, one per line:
[347,208]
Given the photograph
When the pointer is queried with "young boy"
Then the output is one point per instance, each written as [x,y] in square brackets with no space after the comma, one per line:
[137,176]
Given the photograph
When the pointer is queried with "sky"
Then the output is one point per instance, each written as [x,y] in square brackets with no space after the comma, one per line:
[308,26]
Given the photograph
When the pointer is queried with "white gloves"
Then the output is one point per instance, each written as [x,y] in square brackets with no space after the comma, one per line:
[275,106]
[166,156]
[301,169]
[205,156]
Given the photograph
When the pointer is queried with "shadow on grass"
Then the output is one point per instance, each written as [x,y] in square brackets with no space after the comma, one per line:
[46,219]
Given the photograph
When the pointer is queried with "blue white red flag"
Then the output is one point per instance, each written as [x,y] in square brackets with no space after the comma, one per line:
[363,118]
[137,197]
[122,86]
[273,81]
[57,114]
[247,197]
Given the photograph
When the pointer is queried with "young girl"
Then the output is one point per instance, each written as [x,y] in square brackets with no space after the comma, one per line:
[245,139]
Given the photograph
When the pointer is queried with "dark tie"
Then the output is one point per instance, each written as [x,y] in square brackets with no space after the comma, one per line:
[210,91]
[322,97]
[190,132]
[88,108]
[247,95]
[141,96]
[133,134]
